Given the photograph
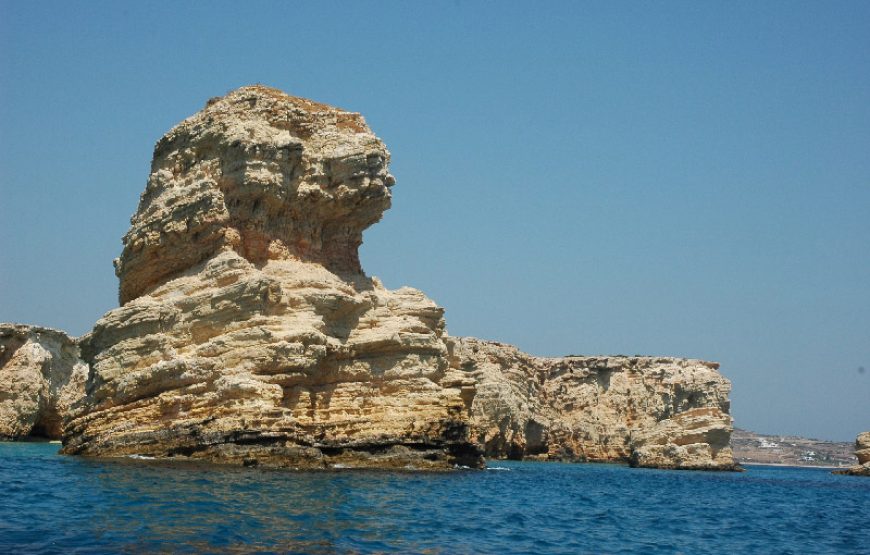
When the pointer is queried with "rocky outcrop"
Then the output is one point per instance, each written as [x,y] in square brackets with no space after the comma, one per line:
[41,376]
[648,411]
[862,451]
[862,448]
[248,332]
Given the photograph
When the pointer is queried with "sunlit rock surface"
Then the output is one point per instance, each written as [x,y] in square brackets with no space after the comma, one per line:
[41,376]
[862,451]
[648,411]
[248,332]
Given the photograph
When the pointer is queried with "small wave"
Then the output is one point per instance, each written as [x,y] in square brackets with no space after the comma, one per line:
[498,468]
[141,457]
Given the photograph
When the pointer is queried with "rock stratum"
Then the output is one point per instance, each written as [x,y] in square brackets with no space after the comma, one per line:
[862,451]
[248,333]
[41,377]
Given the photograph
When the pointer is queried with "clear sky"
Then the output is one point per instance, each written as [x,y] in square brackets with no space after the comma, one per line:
[688,179]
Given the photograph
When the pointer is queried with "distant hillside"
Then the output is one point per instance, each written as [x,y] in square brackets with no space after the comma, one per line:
[752,448]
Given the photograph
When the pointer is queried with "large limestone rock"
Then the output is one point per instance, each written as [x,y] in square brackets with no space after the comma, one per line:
[862,451]
[41,376]
[248,332]
[648,411]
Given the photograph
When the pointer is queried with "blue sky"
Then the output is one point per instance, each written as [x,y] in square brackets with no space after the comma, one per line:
[687,179]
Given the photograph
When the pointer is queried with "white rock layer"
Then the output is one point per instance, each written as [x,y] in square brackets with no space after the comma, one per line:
[41,377]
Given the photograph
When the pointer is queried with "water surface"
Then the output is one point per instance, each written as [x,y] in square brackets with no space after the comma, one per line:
[57,504]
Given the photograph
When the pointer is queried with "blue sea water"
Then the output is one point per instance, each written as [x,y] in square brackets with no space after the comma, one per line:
[56,504]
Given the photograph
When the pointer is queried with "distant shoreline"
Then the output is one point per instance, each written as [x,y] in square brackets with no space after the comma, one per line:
[833,467]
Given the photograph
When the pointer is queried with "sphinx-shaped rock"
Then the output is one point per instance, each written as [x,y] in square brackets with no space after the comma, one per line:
[862,451]
[248,332]
[41,377]
[647,411]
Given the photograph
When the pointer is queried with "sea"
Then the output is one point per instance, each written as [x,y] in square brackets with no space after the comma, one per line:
[50,503]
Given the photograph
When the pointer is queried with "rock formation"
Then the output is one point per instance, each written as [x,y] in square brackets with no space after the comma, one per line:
[41,377]
[862,451]
[648,411]
[862,448]
[248,332]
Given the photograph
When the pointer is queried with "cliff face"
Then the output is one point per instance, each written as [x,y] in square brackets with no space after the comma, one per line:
[648,411]
[249,333]
[41,376]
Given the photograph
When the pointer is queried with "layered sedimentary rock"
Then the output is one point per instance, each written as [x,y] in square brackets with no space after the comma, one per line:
[648,411]
[41,376]
[862,451]
[248,332]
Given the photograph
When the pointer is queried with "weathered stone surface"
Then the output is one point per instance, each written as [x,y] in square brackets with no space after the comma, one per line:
[862,448]
[510,417]
[249,333]
[648,411]
[862,451]
[270,176]
[41,376]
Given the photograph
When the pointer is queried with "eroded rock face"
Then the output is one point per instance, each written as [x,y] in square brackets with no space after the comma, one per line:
[249,333]
[862,451]
[510,415]
[862,448]
[648,411]
[270,176]
[41,376]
